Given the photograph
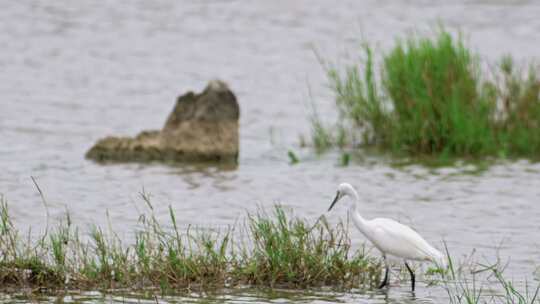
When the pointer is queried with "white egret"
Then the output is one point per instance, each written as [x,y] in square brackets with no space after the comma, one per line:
[390,237]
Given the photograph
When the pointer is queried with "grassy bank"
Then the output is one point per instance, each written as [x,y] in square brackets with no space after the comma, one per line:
[430,96]
[277,251]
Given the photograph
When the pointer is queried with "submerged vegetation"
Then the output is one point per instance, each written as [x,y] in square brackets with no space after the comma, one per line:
[277,251]
[432,97]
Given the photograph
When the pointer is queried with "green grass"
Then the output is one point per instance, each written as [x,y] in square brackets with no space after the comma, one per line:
[430,97]
[298,253]
[475,283]
[276,250]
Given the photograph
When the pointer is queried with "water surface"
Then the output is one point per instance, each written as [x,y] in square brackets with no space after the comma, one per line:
[73,72]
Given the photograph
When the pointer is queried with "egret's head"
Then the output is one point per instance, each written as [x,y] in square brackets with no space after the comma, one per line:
[344,189]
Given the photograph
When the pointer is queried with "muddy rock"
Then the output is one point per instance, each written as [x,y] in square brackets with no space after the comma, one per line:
[201,127]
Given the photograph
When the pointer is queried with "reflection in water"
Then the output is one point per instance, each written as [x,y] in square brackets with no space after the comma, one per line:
[73,72]
[230,296]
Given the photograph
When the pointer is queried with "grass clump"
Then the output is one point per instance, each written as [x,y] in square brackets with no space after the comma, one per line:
[431,98]
[278,250]
[437,108]
[293,252]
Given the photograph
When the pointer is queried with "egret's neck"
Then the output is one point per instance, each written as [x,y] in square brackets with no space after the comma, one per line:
[355,199]
[358,220]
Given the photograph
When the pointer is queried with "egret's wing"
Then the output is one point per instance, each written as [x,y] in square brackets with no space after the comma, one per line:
[400,240]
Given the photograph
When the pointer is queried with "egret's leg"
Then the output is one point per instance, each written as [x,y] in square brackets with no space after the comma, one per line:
[411,273]
[385,281]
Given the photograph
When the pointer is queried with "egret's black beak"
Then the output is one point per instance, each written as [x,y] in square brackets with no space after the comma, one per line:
[334,201]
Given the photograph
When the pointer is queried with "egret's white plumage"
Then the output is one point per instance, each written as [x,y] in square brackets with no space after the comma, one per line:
[389,236]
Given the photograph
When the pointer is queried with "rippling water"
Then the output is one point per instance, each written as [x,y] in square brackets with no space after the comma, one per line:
[75,71]
[234,296]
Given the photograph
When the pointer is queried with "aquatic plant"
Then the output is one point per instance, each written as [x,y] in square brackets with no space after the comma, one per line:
[474,283]
[320,134]
[276,250]
[294,252]
[431,98]
[293,159]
